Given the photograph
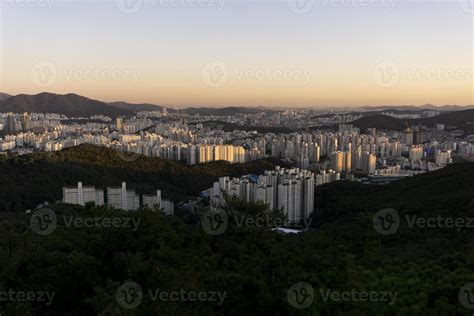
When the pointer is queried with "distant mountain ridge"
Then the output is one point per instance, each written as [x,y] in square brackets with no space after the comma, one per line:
[4,96]
[135,107]
[463,120]
[75,105]
[72,105]
[226,111]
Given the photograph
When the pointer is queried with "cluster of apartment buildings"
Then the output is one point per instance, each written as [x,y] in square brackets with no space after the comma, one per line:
[117,197]
[289,190]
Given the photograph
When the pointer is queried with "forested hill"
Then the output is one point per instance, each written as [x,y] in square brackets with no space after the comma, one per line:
[423,268]
[26,181]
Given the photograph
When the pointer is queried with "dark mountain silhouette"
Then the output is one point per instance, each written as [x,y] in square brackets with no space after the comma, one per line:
[68,104]
[4,96]
[379,121]
[135,107]
[225,111]
[463,120]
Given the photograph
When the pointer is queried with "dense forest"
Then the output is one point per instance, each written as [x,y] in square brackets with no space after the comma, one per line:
[251,270]
[28,180]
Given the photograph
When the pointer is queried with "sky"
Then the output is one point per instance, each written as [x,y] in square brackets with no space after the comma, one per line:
[285,53]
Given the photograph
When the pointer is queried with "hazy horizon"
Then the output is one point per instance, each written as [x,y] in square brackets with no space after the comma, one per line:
[217,53]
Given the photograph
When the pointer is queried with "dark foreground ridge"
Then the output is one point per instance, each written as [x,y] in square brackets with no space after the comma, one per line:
[412,269]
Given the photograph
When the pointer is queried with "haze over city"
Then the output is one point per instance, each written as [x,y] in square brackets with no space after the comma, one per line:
[241,53]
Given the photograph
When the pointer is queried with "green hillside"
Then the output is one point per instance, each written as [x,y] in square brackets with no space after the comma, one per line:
[422,268]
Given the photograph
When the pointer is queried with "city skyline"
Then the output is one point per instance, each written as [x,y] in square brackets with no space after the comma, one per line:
[228,53]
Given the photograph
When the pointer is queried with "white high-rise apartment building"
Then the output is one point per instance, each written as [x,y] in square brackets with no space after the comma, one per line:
[416,152]
[151,201]
[290,190]
[81,195]
[121,198]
